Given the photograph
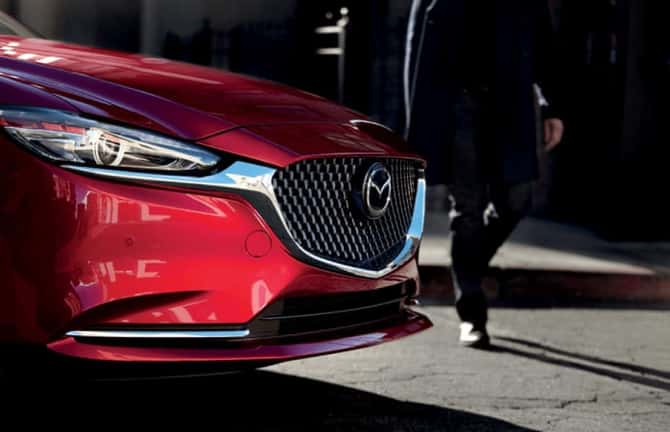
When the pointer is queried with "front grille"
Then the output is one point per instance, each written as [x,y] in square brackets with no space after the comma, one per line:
[315,315]
[316,200]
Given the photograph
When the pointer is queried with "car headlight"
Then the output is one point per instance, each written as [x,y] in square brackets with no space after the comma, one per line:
[71,139]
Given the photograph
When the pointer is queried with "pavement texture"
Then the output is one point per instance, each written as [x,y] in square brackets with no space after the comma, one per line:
[549,370]
[605,369]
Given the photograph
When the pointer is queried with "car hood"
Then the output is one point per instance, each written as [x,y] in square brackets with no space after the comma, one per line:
[184,100]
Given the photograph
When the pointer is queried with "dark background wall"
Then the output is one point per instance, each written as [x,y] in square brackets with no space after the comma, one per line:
[610,171]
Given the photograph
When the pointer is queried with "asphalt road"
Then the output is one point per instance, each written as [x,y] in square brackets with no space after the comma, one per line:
[551,370]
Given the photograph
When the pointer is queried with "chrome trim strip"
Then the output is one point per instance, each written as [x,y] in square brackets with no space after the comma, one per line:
[159,334]
[238,176]
[257,179]
[370,122]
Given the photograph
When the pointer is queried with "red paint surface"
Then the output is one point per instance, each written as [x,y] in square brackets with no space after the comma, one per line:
[126,85]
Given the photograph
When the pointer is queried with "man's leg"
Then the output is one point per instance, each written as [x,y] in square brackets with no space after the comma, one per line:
[468,193]
[477,235]
[511,204]
[468,245]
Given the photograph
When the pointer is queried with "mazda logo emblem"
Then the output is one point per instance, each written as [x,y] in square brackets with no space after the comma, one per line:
[376,191]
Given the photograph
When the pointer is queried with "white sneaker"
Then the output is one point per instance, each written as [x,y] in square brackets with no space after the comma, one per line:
[472,337]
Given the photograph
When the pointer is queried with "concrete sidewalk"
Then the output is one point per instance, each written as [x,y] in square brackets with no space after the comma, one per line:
[567,261]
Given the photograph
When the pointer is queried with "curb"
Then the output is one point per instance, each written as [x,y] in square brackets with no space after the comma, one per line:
[537,287]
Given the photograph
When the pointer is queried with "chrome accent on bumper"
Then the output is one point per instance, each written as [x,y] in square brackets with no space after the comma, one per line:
[159,334]
[255,183]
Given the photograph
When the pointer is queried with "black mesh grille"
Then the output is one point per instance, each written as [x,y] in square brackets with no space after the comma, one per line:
[316,199]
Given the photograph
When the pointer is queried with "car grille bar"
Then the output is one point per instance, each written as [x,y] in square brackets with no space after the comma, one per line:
[312,315]
[394,301]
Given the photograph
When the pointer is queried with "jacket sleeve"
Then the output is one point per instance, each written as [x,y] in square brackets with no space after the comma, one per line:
[547,63]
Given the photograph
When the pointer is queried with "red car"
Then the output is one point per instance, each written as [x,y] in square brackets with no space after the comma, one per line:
[154,211]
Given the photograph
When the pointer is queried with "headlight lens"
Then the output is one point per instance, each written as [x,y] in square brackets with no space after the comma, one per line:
[71,139]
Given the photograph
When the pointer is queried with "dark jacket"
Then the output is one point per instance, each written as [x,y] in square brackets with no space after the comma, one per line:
[524,55]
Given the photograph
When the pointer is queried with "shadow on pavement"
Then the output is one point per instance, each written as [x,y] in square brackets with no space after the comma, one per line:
[267,401]
[649,377]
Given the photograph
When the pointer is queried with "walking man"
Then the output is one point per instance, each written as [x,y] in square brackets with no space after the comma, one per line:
[475,73]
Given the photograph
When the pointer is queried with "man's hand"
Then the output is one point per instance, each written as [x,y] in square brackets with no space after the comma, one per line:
[553,133]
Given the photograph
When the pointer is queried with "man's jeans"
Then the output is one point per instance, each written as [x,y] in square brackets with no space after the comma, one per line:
[484,211]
